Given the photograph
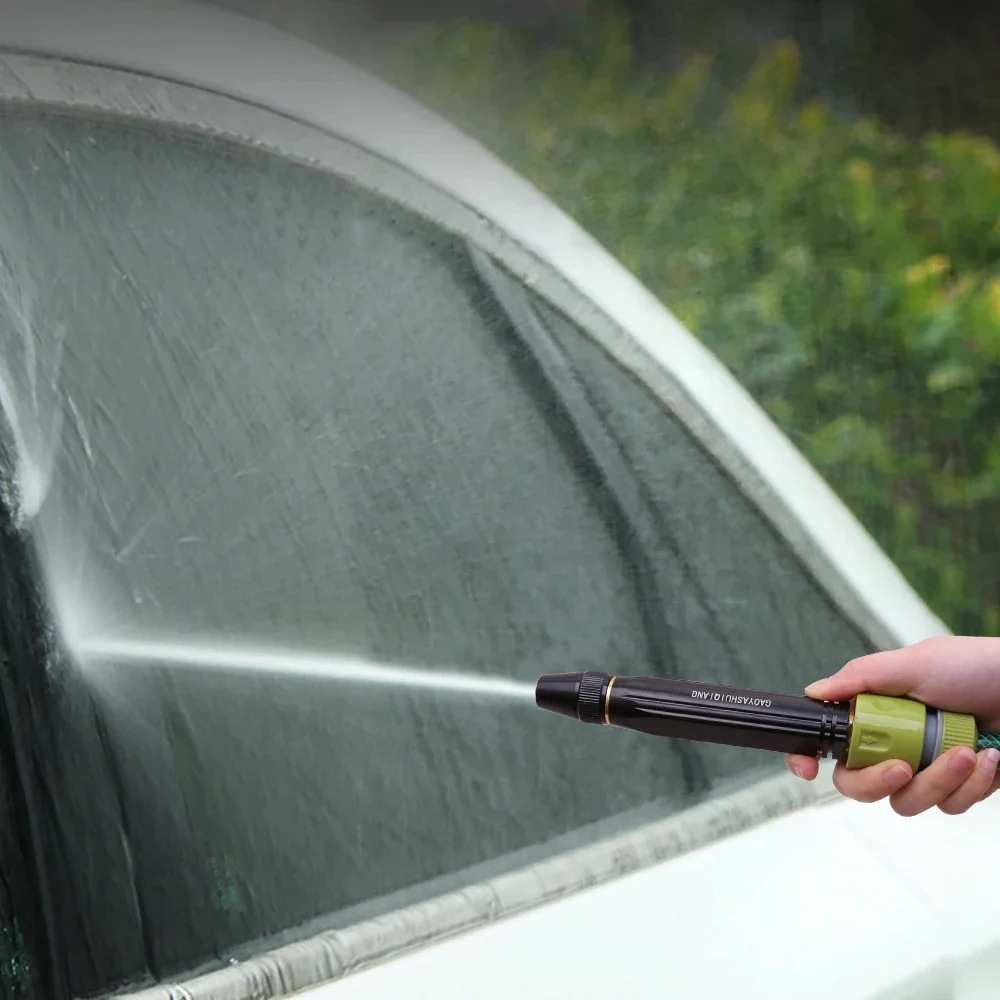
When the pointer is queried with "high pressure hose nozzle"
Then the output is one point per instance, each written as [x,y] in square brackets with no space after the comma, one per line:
[864,731]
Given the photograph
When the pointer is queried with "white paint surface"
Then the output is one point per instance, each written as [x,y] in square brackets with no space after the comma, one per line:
[836,902]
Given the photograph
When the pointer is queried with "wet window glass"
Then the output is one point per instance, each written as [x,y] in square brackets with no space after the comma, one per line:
[308,512]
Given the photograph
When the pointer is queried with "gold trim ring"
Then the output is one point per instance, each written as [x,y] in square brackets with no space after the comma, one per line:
[607,702]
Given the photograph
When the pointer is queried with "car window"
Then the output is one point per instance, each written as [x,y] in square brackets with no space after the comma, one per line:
[295,466]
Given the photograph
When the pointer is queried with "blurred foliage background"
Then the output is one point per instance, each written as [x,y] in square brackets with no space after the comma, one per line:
[810,185]
[848,275]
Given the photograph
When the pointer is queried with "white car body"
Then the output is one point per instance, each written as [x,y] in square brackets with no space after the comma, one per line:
[805,895]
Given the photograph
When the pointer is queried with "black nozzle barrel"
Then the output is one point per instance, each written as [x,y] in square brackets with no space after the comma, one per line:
[707,713]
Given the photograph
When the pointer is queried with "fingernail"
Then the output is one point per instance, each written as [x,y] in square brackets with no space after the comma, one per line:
[963,760]
[992,758]
[897,776]
[814,689]
[795,769]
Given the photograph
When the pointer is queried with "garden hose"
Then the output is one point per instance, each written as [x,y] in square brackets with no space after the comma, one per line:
[988,741]
[861,732]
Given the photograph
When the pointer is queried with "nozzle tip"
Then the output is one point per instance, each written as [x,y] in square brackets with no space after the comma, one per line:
[559,693]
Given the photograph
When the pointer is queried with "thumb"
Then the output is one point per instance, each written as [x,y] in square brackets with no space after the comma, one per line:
[892,672]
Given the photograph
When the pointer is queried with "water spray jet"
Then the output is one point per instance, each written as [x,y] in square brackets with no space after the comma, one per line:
[349,669]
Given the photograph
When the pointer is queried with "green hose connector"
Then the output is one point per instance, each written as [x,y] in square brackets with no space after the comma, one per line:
[884,728]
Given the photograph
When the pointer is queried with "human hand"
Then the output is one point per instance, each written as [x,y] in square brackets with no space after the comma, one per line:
[954,673]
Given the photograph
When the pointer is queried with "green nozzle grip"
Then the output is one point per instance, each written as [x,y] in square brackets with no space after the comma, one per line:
[885,728]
